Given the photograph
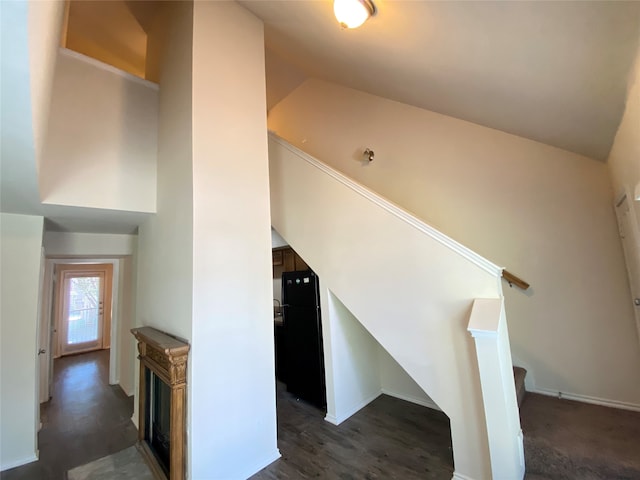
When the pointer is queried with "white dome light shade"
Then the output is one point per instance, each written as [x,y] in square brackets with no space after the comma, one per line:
[353,13]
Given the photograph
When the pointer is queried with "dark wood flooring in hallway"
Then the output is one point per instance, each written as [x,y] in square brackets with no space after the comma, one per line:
[389,439]
[86,419]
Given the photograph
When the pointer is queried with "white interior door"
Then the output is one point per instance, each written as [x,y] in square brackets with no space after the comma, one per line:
[83,312]
[630,235]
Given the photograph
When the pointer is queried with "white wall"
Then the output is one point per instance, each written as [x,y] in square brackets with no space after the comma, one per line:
[394,381]
[165,241]
[20,248]
[351,360]
[88,244]
[624,158]
[127,352]
[101,146]
[232,403]
[44,25]
[277,240]
[281,78]
[18,169]
[423,323]
[543,213]
[358,368]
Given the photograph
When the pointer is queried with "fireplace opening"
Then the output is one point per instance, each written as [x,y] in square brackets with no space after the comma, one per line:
[158,414]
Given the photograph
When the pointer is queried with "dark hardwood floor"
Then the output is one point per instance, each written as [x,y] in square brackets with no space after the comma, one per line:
[388,439]
[85,420]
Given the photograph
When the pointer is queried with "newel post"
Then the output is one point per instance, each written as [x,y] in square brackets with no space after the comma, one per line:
[488,326]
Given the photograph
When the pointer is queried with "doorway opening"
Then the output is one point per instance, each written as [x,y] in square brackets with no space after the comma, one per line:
[83,319]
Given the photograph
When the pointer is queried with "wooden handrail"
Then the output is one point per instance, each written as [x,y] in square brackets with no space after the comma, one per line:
[514,280]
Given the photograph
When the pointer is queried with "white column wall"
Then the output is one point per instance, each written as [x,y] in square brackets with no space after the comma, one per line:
[232,402]
[165,241]
[20,255]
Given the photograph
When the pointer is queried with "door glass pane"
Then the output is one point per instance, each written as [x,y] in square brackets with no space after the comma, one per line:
[84,307]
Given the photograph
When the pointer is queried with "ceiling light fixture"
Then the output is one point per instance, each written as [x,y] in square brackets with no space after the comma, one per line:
[353,13]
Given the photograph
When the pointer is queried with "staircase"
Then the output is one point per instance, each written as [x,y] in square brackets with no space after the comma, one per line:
[412,288]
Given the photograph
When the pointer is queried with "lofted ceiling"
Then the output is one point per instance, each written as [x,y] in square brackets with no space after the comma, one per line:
[111,31]
[555,72]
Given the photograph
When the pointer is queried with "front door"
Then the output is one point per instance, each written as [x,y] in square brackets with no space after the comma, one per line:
[630,235]
[83,312]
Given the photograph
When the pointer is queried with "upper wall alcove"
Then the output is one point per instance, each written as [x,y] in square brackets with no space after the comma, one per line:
[113,32]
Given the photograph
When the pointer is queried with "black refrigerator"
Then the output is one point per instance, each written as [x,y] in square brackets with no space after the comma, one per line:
[302,324]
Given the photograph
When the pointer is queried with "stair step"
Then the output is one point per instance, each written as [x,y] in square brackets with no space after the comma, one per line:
[518,374]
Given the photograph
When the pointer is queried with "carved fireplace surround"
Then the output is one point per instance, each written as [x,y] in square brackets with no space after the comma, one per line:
[163,359]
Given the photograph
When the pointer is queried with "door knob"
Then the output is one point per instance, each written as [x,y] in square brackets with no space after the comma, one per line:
[636,301]
[42,351]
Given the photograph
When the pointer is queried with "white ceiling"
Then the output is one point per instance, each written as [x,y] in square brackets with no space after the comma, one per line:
[555,72]
[551,71]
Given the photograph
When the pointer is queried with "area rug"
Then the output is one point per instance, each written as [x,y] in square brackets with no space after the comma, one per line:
[123,465]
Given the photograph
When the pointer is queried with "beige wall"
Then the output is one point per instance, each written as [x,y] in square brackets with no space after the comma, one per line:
[544,213]
[281,78]
[20,255]
[624,158]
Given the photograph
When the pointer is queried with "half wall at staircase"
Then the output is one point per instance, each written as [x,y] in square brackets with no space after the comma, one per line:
[409,285]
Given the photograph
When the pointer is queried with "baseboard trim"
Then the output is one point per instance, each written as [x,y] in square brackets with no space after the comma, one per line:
[352,411]
[587,399]
[459,476]
[18,463]
[407,398]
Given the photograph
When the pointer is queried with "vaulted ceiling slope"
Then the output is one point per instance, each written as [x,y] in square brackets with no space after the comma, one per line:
[555,72]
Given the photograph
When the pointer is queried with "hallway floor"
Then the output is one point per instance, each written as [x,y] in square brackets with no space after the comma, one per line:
[85,420]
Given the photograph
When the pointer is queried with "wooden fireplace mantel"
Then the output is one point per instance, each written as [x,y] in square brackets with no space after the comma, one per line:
[165,356]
